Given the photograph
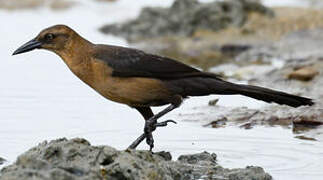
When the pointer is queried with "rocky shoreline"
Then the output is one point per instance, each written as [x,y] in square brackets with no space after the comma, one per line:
[77,159]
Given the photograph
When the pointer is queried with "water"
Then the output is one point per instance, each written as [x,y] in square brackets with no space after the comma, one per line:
[40,99]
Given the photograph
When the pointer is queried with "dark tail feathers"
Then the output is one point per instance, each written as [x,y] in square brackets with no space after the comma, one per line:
[269,95]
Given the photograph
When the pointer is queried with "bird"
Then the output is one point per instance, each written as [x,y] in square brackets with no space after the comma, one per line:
[142,80]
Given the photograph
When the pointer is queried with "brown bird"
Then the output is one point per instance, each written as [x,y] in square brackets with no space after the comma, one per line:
[141,80]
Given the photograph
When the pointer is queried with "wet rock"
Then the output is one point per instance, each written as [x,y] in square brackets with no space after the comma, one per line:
[77,159]
[218,116]
[213,102]
[2,160]
[249,173]
[203,158]
[303,74]
[185,17]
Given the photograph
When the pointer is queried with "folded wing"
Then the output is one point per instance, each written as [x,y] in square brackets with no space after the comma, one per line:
[127,62]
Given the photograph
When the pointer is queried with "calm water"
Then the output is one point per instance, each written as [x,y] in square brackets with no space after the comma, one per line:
[40,99]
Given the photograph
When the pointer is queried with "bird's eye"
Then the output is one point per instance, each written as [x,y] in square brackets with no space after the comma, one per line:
[49,36]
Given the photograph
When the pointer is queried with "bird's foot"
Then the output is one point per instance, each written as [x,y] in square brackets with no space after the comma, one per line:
[150,127]
[165,123]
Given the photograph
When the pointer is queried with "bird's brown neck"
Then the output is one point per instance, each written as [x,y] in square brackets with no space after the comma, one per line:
[76,56]
[75,52]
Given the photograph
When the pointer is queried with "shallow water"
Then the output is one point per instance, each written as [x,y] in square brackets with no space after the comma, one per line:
[40,99]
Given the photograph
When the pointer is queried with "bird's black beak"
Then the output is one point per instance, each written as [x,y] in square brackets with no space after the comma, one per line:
[29,46]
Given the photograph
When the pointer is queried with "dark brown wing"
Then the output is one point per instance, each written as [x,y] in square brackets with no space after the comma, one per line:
[127,62]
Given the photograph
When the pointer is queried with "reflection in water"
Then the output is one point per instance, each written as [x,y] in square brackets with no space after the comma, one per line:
[41,100]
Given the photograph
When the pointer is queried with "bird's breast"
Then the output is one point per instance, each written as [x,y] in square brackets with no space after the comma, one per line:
[134,91]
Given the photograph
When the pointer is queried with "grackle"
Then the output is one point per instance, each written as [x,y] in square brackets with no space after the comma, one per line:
[141,80]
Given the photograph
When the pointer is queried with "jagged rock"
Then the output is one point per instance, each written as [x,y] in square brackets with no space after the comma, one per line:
[76,159]
[185,17]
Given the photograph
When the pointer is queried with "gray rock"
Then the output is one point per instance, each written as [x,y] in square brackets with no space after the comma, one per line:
[2,160]
[248,173]
[185,17]
[64,159]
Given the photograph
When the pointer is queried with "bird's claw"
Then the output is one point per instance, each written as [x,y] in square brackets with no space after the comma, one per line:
[165,123]
[151,126]
[150,141]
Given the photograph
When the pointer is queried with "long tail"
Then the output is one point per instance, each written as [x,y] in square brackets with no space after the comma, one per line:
[269,95]
[201,86]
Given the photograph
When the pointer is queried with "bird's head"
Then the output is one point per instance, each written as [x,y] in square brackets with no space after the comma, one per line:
[55,38]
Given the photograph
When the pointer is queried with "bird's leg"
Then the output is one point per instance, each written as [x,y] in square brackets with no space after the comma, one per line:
[134,144]
[147,113]
[143,136]
[151,124]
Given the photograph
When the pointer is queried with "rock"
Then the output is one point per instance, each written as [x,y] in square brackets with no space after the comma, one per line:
[185,17]
[203,158]
[2,160]
[248,173]
[77,159]
[303,74]
[213,102]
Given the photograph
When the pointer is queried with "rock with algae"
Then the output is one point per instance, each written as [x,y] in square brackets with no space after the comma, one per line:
[76,159]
